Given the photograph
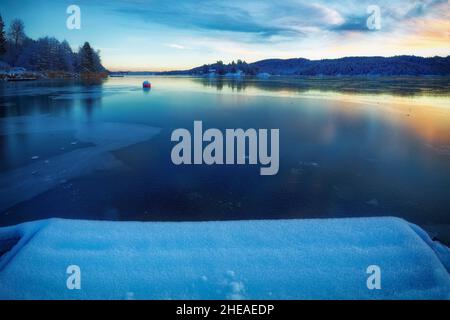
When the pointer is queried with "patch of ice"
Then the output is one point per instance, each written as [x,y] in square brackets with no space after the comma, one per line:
[81,95]
[308,164]
[373,202]
[65,93]
[28,181]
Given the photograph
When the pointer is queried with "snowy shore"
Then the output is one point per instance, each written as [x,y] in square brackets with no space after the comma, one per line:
[273,259]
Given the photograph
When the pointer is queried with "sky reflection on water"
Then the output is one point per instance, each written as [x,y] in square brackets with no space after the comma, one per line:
[348,147]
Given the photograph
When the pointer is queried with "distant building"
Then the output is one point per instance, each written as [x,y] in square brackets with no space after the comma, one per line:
[237,74]
[263,75]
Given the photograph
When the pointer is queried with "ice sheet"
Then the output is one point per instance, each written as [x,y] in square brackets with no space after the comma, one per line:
[44,174]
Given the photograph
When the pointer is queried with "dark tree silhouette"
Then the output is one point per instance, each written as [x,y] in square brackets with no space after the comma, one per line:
[89,59]
[17,32]
[45,54]
[2,37]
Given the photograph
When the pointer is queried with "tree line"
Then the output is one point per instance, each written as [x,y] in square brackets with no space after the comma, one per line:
[221,69]
[46,53]
[358,66]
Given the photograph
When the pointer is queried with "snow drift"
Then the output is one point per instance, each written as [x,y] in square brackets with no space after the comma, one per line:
[279,259]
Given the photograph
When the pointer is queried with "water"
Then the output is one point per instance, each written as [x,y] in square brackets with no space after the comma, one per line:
[348,148]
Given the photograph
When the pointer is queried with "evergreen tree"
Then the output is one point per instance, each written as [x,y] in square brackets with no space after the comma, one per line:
[87,58]
[45,54]
[2,37]
[220,67]
[67,57]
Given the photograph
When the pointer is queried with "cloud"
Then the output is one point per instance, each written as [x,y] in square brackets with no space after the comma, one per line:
[262,19]
[175,46]
[266,20]
[355,23]
[216,16]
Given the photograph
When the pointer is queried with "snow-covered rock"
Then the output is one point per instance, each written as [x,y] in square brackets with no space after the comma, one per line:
[274,259]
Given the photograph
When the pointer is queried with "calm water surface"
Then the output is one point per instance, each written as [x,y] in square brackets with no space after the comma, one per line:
[348,148]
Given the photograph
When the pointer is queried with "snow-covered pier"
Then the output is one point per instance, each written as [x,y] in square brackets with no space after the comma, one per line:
[276,259]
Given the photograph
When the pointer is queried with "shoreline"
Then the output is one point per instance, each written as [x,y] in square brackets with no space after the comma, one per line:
[52,75]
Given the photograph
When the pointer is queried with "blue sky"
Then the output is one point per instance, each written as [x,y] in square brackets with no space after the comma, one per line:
[169,34]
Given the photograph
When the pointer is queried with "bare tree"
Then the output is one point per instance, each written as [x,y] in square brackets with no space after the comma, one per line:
[16,32]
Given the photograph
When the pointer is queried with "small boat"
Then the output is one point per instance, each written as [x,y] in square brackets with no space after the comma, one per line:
[146,85]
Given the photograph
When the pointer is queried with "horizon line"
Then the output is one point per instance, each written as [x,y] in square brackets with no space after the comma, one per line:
[342,57]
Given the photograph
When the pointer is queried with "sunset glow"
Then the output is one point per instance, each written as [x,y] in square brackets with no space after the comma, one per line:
[167,35]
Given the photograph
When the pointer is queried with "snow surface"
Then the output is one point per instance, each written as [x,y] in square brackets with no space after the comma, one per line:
[267,259]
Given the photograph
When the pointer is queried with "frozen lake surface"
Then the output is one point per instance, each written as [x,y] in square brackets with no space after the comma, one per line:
[348,148]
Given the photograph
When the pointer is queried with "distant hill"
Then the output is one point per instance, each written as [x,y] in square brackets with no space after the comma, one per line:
[350,66]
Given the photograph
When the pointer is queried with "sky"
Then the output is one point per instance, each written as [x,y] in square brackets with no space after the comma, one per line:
[181,34]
